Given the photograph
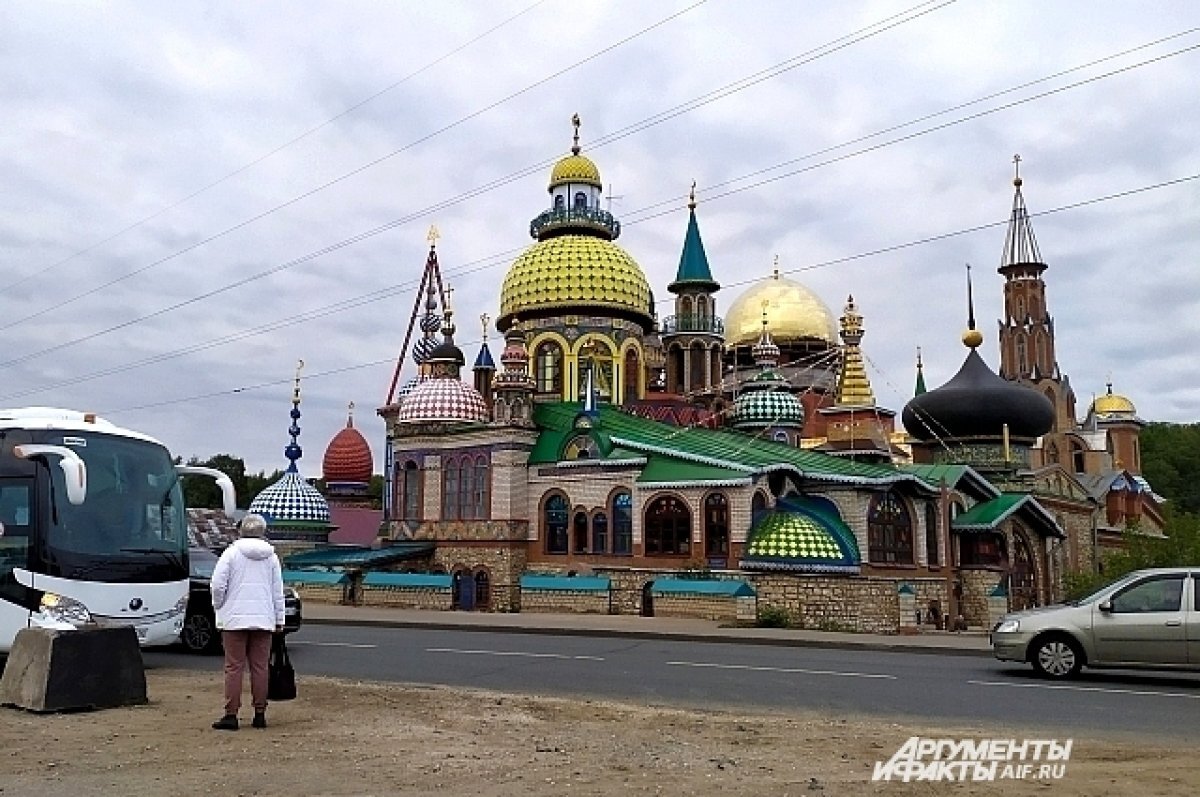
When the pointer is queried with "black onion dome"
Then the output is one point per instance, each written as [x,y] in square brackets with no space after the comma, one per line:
[978,403]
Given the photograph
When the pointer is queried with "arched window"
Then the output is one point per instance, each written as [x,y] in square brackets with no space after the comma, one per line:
[668,527]
[548,366]
[410,507]
[632,378]
[1022,355]
[931,534]
[479,494]
[560,203]
[758,505]
[780,436]
[685,312]
[698,366]
[622,511]
[889,530]
[1020,317]
[580,532]
[580,200]
[452,474]
[702,309]
[716,525]
[1077,457]
[600,533]
[554,518]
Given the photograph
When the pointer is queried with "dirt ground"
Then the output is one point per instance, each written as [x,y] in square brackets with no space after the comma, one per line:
[357,738]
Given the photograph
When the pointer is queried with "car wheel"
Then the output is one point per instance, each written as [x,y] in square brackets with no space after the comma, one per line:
[1056,656]
[199,635]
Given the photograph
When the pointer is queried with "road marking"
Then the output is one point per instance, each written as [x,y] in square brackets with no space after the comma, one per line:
[1106,689]
[779,669]
[518,653]
[331,644]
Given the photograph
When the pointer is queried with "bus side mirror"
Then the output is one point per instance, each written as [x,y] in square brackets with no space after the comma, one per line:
[228,496]
[74,469]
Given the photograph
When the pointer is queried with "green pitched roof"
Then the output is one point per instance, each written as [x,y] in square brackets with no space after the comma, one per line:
[693,262]
[955,477]
[720,448]
[664,470]
[986,516]
[701,586]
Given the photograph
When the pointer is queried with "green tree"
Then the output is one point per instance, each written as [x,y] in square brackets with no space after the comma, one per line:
[200,492]
[1181,546]
[1171,463]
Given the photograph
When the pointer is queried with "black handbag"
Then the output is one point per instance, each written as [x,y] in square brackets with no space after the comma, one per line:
[281,678]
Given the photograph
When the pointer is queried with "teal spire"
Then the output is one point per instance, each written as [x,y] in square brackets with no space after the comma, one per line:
[693,263]
[920,375]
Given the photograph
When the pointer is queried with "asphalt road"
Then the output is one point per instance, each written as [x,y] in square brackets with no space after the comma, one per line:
[928,687]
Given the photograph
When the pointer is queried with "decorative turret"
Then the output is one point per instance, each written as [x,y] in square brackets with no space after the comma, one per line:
[854,387]
[514,386]
[692,338]
[766,405]
[443,398]
[485,367]
[293,508]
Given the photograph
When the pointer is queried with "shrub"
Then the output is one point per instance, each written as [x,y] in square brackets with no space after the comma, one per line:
[774,617]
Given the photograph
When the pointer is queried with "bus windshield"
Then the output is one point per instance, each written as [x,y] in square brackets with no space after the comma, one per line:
[131,526]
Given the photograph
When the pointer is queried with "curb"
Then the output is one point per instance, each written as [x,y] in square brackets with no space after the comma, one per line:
[683,636]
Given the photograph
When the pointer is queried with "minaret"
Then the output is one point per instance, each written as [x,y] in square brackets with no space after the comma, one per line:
[1027,330]
[293,451]
[692,337]
[485,366]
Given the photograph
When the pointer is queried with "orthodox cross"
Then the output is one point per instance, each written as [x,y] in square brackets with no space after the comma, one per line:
[433,236]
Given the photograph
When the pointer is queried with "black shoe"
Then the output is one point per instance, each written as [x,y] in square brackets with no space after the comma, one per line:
[260,719]
[227,723]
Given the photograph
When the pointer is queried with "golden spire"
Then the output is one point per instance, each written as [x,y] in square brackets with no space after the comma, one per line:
[853,387]
[972,338]
[433,236]
[576,122]
[692,197]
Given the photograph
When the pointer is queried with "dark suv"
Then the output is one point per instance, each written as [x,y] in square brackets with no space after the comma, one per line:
[200,633]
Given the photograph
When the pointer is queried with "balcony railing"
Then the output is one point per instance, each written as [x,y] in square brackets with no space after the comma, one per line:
[693,323]
[575,217]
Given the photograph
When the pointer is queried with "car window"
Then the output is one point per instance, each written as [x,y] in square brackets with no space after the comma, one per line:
[1161,594]
[201,564]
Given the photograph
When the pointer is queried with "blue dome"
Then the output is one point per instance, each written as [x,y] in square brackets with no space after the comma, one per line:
[292,501]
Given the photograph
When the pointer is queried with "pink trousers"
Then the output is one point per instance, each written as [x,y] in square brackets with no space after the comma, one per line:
[246,649]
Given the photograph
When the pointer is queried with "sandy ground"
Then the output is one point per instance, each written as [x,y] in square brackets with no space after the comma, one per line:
[356,738]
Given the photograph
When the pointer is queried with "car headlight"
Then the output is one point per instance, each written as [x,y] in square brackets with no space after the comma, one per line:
[1008,627]
[64,609]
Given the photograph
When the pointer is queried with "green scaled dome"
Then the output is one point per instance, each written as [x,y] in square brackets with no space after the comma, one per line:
[802,534]
[759,409]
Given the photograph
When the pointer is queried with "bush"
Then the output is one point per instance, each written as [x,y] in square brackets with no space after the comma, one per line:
[774,617]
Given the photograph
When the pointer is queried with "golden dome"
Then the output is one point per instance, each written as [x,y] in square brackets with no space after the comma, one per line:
[575,272]
[1113,404]
[794,313]
[575,169]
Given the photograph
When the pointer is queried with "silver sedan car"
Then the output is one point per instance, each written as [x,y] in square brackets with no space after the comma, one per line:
[1149,618]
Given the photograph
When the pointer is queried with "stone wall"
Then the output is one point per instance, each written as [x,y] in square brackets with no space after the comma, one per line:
[976,585]
[323,593]
[564,601]
[503,565]
[406,597]
[722,608]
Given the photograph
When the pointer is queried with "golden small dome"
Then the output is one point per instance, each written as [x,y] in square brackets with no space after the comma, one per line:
[575,271]
[972,338]
[793,313]
[1113,404]
[575,169]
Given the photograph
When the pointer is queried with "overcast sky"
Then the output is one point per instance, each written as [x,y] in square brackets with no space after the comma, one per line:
[174,175]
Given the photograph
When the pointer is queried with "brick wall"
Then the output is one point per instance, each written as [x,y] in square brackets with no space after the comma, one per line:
[722,608]
[322,593]
[407,597]
[564,601]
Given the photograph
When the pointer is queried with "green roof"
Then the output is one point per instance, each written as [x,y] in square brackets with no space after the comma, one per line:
[804,534]
[986,516]
[314,577]
[693,262]
[407,580]
[953,476]
[357,556]
[660,470]
[701,586]
[720,448]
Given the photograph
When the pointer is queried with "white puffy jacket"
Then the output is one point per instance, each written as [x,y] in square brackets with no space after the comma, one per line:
[247,587]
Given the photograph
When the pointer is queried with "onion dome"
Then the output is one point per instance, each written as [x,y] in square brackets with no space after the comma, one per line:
[444,398]
[794,312]
[575,268]
[1113,405]
[802,535]
[410,386]
[976,403]
[348,456]
[291,506]
[765,401]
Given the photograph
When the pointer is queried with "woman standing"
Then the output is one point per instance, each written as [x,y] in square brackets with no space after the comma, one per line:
[247,594]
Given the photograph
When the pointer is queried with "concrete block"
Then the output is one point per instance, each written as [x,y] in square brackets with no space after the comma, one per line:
[73,670]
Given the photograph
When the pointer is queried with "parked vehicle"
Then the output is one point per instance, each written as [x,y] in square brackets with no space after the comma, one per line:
[1149,618]
[200,634]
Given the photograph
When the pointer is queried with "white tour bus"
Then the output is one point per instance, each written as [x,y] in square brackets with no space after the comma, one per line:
[93,529]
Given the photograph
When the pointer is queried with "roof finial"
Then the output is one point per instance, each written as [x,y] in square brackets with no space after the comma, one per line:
[448,312]
[350,415]
[972,338]
[692,197]
[919,363]
[1017,170]
[776,274]
[920,388]
[576,122]
[433,236]
[484,318]
[293,451]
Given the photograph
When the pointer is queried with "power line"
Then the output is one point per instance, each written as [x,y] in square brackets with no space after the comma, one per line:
[645,217]
[370,164]
[245,167]
[810,267]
